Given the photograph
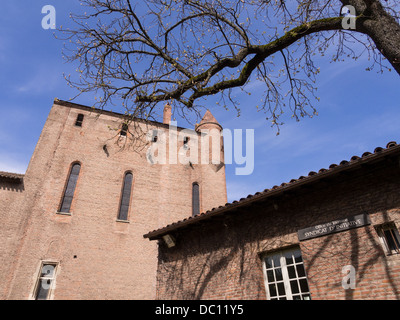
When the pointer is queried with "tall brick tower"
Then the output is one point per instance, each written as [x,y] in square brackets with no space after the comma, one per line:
[73,225]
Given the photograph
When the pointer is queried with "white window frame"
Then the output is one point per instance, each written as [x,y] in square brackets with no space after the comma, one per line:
[380,229]
[39,277]
[281,256]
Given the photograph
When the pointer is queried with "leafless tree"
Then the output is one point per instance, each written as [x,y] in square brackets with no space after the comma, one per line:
[142,53]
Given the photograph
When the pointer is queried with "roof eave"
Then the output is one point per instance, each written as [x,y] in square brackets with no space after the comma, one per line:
[353,164]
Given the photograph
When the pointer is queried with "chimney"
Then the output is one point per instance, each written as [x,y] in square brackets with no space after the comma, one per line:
[167,114]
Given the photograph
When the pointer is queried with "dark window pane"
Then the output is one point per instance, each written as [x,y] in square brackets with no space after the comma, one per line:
[128,178]
[124,129]
[79,120]
[66,204]
[70,189]
[268,263]
[123,213]
[126,190]
[300,270]
[294,286]
[396,238]
[281,288]
[278,274]
[47,271]
[270,276]
[43,289]
[272,290]
[303,285]
[297,297]
[125,197]
[75,169]
[277,261]
[195,199]
[69,192]
[288,257]
[154,137]
[297,256]
[291,272]
[391,240]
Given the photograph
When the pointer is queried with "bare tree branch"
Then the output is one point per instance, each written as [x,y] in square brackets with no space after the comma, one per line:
[140,54]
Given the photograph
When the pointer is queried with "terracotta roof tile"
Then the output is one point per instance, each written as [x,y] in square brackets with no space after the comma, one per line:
[312,176]
[10,175]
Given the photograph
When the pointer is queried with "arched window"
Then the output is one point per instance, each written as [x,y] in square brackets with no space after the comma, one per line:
[195,199]
[125,197]
[70,188]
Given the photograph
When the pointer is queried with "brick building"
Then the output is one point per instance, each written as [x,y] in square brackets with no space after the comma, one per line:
[72,226]
[330,235]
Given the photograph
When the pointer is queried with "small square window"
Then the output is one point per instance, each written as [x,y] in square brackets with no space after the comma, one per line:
[154,136]
[389,237]
[79,120]
[186,143]
[124,130]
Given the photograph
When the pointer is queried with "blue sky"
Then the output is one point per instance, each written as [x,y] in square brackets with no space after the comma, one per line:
[358,110]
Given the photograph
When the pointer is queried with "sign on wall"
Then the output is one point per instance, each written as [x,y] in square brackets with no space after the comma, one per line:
[334,226]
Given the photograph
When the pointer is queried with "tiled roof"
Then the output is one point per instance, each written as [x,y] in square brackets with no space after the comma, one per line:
[14,176]
[207,119]
[391,148]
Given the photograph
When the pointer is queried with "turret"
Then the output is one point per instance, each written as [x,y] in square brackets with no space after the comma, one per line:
[213,182]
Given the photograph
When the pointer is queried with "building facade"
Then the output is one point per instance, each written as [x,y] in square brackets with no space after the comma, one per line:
[76,224]
[330,235]
[72,226]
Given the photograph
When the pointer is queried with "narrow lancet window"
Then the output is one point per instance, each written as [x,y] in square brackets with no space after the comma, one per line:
[46,279]
[70,188]
[125,197]
[195,199]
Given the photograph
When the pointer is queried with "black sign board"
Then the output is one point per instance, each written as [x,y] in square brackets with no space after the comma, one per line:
[334,226]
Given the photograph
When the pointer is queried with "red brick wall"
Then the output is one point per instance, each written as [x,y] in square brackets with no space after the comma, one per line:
[11,196]
[99,257]
[221,258]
